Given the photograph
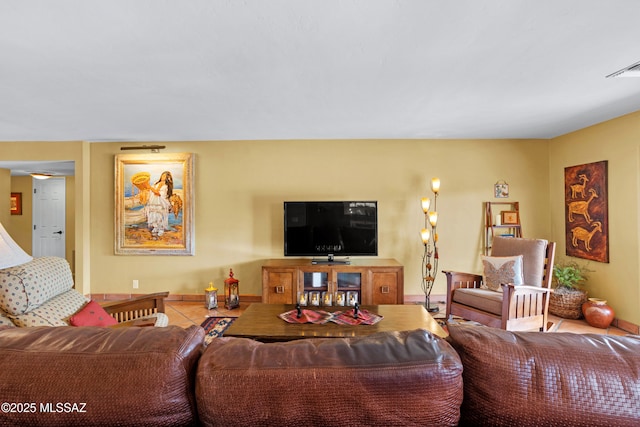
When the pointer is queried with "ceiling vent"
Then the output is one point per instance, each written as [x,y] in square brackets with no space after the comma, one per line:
[630,71]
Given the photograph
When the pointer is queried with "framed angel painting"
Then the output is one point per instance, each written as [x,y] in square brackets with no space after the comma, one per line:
[154,204]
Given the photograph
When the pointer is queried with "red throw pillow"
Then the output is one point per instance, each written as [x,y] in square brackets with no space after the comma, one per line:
[92,314]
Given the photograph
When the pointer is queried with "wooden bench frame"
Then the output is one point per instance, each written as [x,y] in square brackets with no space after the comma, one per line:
[136,307]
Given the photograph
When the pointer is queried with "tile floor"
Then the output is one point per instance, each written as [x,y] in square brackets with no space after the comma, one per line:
[580,326]
[187,313]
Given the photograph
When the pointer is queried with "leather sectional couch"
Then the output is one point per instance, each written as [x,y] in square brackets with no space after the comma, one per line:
[134,376]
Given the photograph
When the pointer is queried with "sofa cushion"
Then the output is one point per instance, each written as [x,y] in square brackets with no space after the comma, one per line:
[27,286]
[482,299]
[55,312]
[121,376]
[390,378]
[498,270]
[547,379]
[533,251]
[161,319]
[92,314]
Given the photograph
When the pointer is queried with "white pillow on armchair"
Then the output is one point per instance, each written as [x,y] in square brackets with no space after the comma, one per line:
[499,270]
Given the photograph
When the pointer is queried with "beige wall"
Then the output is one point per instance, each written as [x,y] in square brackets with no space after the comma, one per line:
[20,225]
[240,187]
[618,142]
[5,204]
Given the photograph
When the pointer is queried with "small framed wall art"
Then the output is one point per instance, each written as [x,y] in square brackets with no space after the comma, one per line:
[501,189]
[510,218]
[16,203]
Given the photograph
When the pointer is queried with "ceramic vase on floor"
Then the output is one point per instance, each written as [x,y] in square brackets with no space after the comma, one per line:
[597,313]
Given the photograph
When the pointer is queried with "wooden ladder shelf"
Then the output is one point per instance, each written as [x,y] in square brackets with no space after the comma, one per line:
[501,219]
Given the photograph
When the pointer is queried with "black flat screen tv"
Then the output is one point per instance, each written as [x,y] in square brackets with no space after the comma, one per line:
[344,228]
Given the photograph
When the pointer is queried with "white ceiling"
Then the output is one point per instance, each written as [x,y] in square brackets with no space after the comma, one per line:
[172,70]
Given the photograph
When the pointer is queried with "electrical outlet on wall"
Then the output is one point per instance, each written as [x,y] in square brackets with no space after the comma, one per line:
[135,284]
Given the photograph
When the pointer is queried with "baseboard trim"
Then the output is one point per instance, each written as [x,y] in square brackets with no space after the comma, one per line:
[171,297]
[417,299]
[632,328]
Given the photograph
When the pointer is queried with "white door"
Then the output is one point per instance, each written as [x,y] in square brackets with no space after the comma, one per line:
[49,217]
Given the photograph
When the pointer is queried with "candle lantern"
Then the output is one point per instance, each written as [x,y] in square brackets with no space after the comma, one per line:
[314,298]
[302,298]
[211,297]
[327,299]
[340,298]
[231,294]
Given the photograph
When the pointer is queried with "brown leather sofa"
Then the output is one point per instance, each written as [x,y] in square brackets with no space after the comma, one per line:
[389,379]
[164,376]
[547,379]
[87,376]
[158,377]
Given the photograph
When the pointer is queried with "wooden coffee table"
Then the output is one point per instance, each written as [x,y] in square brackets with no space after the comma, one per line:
[261,322]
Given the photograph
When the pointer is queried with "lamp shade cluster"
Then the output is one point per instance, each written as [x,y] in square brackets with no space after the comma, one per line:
[429,237]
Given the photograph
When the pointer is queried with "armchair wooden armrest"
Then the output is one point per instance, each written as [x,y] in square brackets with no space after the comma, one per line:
[525,304]
[457,280]
[524,288]
[136,307]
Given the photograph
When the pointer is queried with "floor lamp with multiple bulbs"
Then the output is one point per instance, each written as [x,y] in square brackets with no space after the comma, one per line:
[430,240]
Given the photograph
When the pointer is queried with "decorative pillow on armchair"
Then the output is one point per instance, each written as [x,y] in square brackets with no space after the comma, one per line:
[92,314]
[498,270]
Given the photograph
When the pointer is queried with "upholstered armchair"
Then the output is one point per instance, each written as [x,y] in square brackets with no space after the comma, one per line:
[40,293]
[513,292]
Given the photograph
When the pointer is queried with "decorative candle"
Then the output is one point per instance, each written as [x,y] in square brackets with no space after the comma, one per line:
[327,299]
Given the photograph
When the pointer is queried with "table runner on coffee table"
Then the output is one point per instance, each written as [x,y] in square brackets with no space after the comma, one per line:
[317,317]
[364,317]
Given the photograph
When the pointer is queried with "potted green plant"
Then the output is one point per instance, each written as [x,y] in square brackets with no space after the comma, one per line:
[568,295]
